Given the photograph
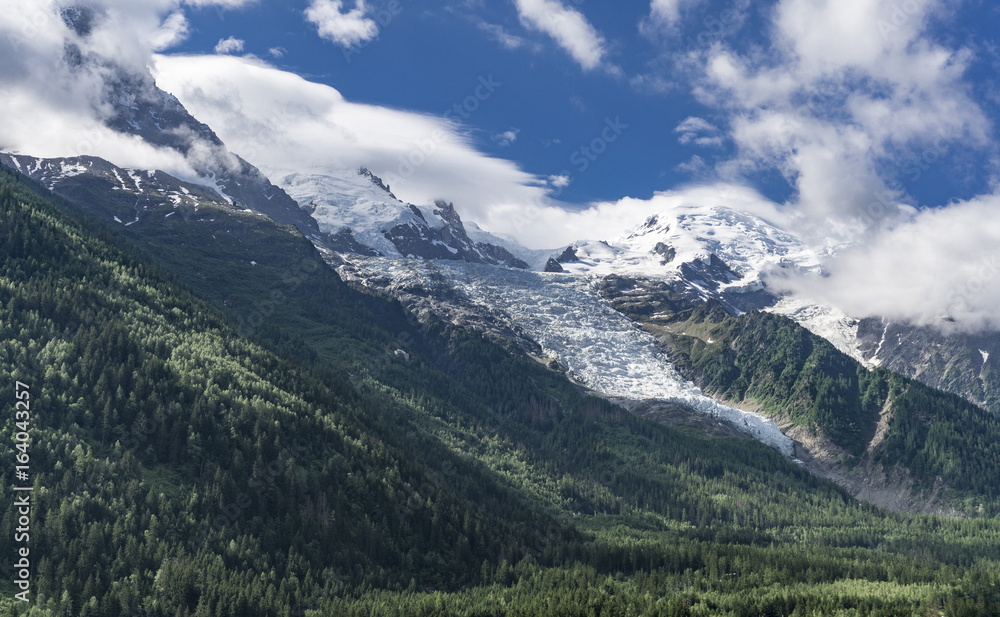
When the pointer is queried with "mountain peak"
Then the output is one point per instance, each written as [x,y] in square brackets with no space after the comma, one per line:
[80,19]
[377,181]
[449,215]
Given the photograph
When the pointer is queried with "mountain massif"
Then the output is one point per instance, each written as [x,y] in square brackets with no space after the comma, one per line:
[305,396]
[341,457]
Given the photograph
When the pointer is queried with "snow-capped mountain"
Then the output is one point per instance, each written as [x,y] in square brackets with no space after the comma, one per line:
[157,117]
[665,242]
[715,253]
[359,213]
[712,252]
[568,313]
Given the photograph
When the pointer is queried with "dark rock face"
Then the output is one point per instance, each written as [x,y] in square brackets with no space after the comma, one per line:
[711,275]
[128,197]
[964,364]
[80,19]
[377,182]
[666,252]
[643,299]
[497,254]
[416,212]
[141,108]
[553,266]
[344,242]
[568,256]
[450,241]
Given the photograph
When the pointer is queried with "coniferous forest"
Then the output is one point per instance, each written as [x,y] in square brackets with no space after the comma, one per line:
[194,451]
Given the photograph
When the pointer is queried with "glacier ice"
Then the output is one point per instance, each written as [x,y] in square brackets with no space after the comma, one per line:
[600,348]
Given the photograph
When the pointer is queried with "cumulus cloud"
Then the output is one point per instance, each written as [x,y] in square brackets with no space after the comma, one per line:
[698,131]
[842,101]
[232,45]
[560,181]
[347,29]
[940,268]
[277,52]
[173,31]
[507,137]
[568,27]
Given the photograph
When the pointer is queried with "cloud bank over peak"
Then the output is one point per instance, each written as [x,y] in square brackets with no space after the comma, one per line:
[941,269]
[285,124]
[54,87]
[837,98]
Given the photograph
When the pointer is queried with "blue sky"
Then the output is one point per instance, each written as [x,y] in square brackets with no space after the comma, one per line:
[428,58]
[430,55]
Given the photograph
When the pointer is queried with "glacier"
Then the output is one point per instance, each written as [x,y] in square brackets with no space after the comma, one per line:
[599,347]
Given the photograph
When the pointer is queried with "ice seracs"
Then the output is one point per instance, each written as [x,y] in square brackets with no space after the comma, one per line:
[599,347]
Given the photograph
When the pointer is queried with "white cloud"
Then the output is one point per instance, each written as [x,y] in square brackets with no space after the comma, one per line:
[835,109]
[842,101]
[345,29]
[173,31]
[698,131]
[277,52]
[667,12]
[285,124]
[695,166]
[507,137]
[232,45]
[52,107]
[560,181]
[550,225]
[940,268]
[568,27]
[506,39]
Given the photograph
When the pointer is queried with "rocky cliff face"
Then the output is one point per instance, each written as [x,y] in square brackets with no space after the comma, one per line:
[964,364]
[115,194]
[140,108]
[360,211]
[448,241]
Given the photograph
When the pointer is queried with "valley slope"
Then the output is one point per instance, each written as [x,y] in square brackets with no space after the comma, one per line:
[193,469]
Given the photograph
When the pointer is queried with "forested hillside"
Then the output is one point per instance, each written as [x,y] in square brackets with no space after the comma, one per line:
[771,363]
[189,460]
